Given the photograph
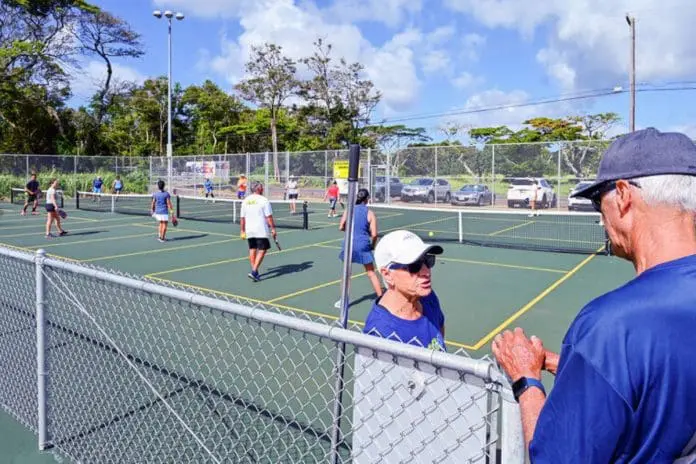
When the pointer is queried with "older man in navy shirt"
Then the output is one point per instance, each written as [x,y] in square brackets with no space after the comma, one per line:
[625,388]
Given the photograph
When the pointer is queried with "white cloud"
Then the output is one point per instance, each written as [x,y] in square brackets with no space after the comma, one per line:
[588,40]
[389,12]
[467,80]
[391,66]
[472,45]
[203,8]
[495,107]
[435,60]
[91,75]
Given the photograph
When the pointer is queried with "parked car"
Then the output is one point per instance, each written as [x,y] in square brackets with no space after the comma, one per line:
[473,194]
[521,190]
[395,187]
[580,204]
[426,189]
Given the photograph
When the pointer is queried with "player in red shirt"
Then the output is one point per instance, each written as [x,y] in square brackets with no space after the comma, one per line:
[332,195]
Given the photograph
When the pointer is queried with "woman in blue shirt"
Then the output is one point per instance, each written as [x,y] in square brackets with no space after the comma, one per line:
[409,311]
[364,239]
[161,205]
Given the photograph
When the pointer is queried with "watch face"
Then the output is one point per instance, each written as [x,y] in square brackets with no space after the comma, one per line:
[519,387]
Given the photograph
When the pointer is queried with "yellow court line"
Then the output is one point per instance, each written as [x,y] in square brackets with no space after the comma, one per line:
[328,246]
[253,300]
[79,242]
[70,230]
[233,260]
[302,247]
[281,306]
[511,266]
[29,250]
[179,229]
[158,250]
[511,228]
[316,287]
[533,303]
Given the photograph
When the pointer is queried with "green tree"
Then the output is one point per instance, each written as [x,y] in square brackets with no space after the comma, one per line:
[270,82]
[210,109]
[105,36]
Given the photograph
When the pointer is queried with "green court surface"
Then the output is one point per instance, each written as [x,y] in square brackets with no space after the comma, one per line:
[483,289]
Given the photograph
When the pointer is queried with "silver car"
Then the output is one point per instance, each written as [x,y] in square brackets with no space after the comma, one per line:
[473,194]
[425,189]
[580,204]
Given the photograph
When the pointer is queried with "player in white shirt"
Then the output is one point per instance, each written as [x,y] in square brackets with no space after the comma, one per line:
[292,194]
[256,218]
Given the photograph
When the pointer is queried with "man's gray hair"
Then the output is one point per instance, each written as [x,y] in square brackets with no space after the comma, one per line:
[678,191]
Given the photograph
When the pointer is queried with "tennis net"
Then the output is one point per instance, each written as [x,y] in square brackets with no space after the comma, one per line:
[139,205]
[18,196]
[224,210]
[548,231]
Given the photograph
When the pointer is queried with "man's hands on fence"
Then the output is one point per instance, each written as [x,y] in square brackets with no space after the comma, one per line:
[518,355]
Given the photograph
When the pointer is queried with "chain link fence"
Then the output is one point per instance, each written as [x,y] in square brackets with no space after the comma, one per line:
[433,174]
[130,370]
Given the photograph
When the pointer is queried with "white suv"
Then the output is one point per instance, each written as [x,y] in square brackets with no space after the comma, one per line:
[522,190]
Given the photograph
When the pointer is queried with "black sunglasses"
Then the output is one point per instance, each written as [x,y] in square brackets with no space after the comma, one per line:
[415,267]
[596,197]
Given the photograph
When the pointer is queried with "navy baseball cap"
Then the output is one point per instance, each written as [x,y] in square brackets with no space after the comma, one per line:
[642,153]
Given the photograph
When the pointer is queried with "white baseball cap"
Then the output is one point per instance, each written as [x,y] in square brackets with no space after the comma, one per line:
[402,247]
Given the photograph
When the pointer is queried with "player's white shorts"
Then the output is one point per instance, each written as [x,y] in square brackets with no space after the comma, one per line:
[161,217]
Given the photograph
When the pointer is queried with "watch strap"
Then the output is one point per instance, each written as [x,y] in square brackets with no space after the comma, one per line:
[523,384]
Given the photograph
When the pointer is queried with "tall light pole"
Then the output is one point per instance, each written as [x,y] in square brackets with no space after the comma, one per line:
[632,24]
[179,16]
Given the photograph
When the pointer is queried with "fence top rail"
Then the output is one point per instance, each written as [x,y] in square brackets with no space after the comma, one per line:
[484,369]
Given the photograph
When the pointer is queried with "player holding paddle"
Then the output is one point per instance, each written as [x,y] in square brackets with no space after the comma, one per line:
[160,208]
[54,212]
[256,217]
[32,192]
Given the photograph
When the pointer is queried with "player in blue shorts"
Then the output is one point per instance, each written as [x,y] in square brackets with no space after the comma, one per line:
[97,185]
[208,186]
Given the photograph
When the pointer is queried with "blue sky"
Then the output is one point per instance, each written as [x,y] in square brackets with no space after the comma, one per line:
[434,56]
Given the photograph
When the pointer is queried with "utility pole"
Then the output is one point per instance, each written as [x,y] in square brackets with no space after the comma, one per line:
[631,20]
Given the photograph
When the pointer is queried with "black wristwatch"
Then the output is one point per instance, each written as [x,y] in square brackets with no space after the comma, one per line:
[523,383]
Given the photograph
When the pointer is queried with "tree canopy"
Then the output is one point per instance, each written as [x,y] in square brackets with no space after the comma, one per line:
[271,109]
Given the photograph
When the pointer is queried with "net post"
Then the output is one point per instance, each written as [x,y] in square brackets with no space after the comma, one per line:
[41,374]
[113,203]
[305,216]
[77,199]
[460,226]
[234,212]
[178,206]
[353,173]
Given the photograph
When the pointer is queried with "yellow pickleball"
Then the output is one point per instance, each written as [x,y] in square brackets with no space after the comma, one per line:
[430,234]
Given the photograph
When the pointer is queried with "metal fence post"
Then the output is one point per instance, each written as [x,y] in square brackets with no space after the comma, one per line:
[495,199]
[435,178]
[265,171]
[40,349]
[558,197]
[387,180]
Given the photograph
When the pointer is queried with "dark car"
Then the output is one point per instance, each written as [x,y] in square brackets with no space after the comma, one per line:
[473,194]
[395,187]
